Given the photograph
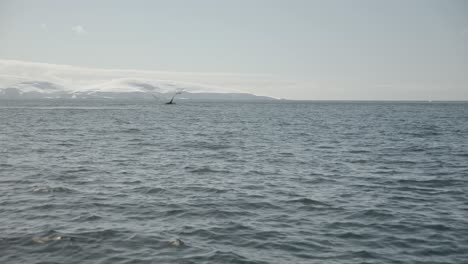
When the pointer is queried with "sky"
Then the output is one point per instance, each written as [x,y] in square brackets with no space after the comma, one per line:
[322,50]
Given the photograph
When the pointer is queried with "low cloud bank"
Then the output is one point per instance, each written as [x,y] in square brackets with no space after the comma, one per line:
[41,80]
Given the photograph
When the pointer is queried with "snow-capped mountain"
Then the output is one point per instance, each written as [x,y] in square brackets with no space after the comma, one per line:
[28,80]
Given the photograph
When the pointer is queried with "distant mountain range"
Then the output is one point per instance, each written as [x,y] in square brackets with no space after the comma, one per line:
[47,90]
[27,80]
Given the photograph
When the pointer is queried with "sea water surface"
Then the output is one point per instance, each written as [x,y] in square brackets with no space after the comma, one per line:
[277,182]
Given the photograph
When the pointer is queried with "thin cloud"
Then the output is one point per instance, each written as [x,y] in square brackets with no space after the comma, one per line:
[85,79]
[44,27]
[465,32]
[79,30]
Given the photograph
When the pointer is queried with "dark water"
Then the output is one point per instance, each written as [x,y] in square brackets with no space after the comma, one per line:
[97,182]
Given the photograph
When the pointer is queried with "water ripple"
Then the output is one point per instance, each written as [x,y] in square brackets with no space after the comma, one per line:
[323,182]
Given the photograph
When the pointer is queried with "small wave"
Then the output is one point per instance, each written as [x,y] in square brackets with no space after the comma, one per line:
[431,182]
[174,212]
[205,145]
[260,172]
[417,189]
[131,182]
[203,233]
[229,257]
[233,227]
[424,134]
[318,178]
[359,161]
[131,130]
[16,181]
[48,189]
[121,122]
[337,225]
[295,247]
[64,144]
[358,151]
[378,214]
[308,201]
[437,227]
[365,254]
[414,149]
[286,154]
[205,169]
[227,214]
[150,190]
[136,140]
[86,218]
[326,147]
[258,205]
[98,235]
[206,189]
[401,162]
[77,170]
[351,235]
[406,198]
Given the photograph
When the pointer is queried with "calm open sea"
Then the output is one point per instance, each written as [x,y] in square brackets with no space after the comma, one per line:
[298,182]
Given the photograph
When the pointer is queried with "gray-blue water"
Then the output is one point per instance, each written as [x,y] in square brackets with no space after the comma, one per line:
[116,182]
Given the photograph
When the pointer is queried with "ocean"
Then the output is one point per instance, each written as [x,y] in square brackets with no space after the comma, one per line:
[231,182]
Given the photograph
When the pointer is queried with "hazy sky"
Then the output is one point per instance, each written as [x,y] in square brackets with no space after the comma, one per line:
[331,49]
